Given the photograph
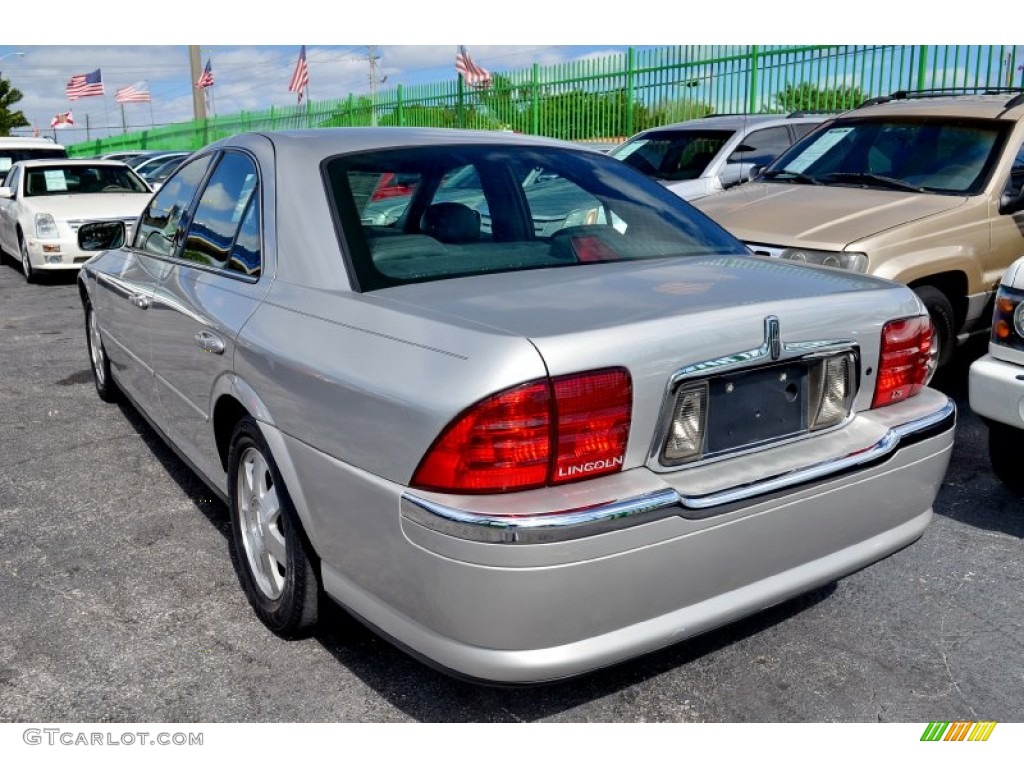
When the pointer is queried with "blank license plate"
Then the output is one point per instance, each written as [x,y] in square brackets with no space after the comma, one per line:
[756,406]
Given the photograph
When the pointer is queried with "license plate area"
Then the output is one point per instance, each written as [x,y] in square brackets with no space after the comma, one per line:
[751,407]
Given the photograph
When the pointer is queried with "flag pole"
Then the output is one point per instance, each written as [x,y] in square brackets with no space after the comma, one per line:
[152,124]
[124,125]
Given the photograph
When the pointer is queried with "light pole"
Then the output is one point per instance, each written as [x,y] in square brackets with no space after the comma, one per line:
[12,53]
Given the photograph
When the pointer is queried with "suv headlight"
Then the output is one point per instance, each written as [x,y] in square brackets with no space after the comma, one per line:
[46,227]
[854,262]
[1008,318]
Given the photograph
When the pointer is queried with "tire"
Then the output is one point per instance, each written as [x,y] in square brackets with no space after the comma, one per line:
[943,323]
[269,550]
[26,262]
[1004,443]
[106,387]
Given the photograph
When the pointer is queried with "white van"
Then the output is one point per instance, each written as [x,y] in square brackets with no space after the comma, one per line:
[15,148]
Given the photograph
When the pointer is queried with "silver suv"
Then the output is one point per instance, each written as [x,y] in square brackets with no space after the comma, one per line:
[704,156]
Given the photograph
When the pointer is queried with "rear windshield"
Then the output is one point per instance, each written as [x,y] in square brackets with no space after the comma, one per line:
[673,155]
[81,179]
[410,215]
[9,157]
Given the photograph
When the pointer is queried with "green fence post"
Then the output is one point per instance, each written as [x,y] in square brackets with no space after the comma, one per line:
[401,112]
[459,117]
[752,95]
[351,110]
[630,71]
[535,102]
[922,66]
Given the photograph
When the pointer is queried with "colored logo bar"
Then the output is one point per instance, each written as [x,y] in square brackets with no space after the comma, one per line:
[959,730]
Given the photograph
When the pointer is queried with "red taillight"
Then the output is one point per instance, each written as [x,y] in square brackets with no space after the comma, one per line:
[504,442]
[594,411]
[903,364]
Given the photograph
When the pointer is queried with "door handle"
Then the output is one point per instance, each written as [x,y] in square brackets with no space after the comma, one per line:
[139,300]
[210,342]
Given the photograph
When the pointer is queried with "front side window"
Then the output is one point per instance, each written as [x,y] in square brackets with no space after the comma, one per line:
[672,155]
[159,225]
[763,146]
[928,154]
[494,208]
[221,212]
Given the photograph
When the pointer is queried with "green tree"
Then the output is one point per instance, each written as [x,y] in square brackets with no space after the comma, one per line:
[9,119]
[808,97]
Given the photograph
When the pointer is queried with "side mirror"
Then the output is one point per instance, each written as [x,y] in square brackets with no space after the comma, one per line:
[101,235]
[1009,202]
[6,193]
[755,171]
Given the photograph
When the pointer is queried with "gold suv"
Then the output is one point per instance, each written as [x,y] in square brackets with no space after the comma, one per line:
[921,188]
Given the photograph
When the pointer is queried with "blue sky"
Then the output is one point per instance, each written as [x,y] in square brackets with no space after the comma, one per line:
[257,51]
[247,77]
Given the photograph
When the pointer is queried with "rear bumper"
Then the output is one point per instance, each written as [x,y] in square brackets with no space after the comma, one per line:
[519,611]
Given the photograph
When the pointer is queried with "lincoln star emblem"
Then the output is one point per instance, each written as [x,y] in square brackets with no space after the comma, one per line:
[772,339]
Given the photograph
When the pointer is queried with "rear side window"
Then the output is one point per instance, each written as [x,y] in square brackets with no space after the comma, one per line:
[476,209]
[226,212]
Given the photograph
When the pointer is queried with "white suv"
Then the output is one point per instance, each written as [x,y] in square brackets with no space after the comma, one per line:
[709,154]
[996,382]
[14,149]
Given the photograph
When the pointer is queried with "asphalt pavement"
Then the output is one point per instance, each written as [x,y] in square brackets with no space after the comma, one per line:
[118,601]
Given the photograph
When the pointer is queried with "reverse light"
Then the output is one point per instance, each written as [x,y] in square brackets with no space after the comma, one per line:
[905,360]
[688,426]
[851,261]
[832,391]
[543,432]
[46,227]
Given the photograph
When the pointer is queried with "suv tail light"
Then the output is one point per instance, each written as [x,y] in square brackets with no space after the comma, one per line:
[903,365]
[543,432]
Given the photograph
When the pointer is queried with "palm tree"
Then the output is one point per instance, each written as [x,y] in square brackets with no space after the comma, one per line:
[9,96]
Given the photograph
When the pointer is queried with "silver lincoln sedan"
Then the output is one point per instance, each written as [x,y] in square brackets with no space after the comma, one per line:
[546,418]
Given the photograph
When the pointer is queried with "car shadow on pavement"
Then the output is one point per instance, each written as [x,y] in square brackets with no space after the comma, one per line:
[189,482]
[428,695]
[973,495]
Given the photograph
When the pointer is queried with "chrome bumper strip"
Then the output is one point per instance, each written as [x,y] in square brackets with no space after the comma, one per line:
[589,521]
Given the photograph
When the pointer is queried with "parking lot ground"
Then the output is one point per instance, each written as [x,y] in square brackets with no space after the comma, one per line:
[119,602]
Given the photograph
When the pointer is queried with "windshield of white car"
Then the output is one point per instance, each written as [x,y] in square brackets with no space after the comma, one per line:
[672,155]
[472,209]
[81,179]
[923,154]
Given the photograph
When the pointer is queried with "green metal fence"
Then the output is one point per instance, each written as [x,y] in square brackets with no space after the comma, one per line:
[611,97]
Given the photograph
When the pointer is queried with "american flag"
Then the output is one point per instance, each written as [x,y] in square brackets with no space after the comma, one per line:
[300,77]
[474,75]
[137,92]
[206,79]
[61,119]
[79,86]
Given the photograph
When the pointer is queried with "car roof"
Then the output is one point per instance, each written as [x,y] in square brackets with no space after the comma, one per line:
[18,142]
[63,161]
[944,105]
[738,122]
[328,141]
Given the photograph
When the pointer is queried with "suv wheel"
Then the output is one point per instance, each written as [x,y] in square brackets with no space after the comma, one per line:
[1004,444]
[943,324]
